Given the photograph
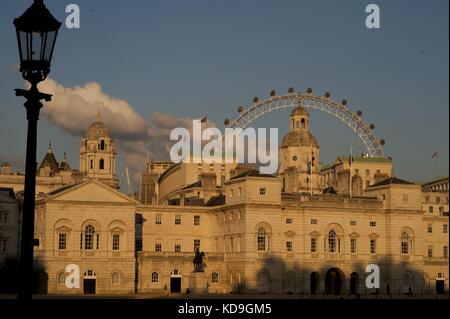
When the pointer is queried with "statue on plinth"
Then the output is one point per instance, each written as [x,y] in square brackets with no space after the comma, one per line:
[199,265]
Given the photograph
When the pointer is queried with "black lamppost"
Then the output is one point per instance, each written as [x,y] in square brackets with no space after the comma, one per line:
[36,32]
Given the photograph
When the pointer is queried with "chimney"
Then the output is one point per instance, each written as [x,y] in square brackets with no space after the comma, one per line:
[241,168]
[5,169]
[208,181]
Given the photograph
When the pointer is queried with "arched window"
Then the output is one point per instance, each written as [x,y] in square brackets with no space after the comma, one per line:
[405,243]
[61,278]
[102,145]
[332,241]
[303,123]
[89,237]
[155,277]
[102,164]
[115,278]
[261,239]
[215,278]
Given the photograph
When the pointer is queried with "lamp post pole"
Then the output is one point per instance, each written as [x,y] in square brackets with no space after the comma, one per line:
[36,32]
[33,106]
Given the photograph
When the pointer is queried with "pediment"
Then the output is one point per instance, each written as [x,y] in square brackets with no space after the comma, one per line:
[289,234]
[353,235]
[314,234]
[91,191]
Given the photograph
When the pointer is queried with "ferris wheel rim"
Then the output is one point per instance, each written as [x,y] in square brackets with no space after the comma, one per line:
[311,101]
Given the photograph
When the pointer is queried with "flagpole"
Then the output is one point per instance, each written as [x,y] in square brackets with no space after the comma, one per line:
[310,171]
[350,170]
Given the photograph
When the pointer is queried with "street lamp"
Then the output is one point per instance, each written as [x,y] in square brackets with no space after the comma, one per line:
[36,32]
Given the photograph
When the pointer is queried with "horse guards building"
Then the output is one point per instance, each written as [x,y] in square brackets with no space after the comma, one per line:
[260,233]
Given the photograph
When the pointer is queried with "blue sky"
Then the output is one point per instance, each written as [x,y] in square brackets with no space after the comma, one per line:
[191,58]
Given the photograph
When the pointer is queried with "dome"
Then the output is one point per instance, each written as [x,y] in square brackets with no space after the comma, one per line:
[97,130]
[299,111]
[299,138]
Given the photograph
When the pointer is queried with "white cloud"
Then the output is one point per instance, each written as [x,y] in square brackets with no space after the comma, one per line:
[74,109]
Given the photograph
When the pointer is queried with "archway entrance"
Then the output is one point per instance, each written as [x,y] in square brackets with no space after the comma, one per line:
[333,281]
[175,281]
[314,283]
[354,283]
[89,282]
[440,284]
[264,281]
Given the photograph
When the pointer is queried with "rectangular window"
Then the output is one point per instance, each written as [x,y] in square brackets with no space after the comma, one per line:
[405,197]
[231,192]
[367,172]
[427,199]
[262,191]
[196,244]
[353,245]
[4,246]
[158,219]
[438,199]
[373,224]
[158,246]
[288,220]
[430,251]
[445,228]
[356,171]
[116,242]
[445,251]
[405,247]
[430,209]
[62,242]
[239,191]
[430,228]
[373,246]
[313,221]
[441,210]
[196,220]
[177,246]
[353,223]
[313,245]
[289,246]
[177,219]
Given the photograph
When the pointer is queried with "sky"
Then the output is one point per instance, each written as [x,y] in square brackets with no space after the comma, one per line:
[150,66]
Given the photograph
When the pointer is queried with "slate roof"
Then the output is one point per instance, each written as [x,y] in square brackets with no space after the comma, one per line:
[251,173]
[390,181]
[216,200]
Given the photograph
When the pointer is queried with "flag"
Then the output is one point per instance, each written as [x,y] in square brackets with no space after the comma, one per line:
[127,175]
[434,154]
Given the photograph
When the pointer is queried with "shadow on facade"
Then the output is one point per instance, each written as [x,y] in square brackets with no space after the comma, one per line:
[335,279]
[10,275]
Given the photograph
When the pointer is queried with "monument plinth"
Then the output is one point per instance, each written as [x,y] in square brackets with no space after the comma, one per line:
[198,281]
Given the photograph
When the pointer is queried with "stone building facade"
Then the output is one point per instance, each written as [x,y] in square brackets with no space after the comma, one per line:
[260,233]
